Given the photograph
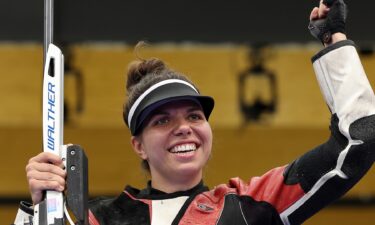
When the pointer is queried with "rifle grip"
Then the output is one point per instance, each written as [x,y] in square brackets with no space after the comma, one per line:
[77,183]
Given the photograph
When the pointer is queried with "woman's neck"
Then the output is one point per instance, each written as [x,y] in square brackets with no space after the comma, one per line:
[183,183]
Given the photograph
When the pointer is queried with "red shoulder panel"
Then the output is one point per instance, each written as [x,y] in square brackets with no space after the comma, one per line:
[269,188]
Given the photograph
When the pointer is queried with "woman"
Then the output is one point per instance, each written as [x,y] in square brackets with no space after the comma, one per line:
[168,119]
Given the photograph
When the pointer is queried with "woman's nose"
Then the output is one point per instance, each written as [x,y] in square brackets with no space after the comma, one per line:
[182,127]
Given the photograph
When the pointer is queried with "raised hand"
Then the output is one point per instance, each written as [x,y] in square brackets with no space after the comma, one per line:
[328,19]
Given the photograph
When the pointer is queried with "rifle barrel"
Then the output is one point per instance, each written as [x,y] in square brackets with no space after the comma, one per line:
[48,26]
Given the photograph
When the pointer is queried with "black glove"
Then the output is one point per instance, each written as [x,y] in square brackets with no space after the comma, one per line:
[322,29]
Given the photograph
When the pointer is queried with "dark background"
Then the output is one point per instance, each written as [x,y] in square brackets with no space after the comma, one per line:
[239,21]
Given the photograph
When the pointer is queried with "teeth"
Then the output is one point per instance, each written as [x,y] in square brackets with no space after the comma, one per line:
[183,148]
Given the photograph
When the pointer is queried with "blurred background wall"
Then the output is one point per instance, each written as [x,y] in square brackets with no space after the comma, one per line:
[168,20]
[262,48]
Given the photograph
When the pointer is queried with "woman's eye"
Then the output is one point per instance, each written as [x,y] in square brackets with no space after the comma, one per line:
[194,117]
[161,121]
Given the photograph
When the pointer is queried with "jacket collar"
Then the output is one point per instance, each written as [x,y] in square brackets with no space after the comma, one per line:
[151,193]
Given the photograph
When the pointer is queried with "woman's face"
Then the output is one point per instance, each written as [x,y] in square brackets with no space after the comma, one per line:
[176,141]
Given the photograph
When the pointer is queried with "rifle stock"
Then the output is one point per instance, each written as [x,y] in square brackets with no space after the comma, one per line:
[51,210]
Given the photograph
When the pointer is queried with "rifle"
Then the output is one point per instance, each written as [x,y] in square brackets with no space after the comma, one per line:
[51,210]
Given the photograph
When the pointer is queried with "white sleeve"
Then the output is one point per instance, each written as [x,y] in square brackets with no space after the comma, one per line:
[24,215]
[344,84]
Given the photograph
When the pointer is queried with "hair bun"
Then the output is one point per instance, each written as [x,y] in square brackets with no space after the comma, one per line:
[139,69]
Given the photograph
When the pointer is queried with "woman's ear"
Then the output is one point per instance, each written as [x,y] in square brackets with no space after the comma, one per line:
[138,147]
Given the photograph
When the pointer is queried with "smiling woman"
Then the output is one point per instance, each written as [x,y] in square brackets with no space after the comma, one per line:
[155,94]
[168,119]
